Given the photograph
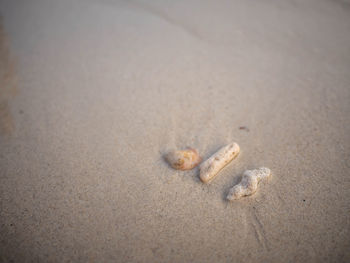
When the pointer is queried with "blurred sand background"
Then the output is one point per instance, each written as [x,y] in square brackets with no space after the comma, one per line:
[93,93]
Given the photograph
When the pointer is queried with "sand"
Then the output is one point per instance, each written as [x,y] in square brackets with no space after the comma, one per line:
[106,88]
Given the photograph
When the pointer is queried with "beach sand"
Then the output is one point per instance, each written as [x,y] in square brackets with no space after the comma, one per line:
[105,88]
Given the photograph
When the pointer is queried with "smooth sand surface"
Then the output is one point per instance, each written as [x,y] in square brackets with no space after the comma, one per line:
[94,93]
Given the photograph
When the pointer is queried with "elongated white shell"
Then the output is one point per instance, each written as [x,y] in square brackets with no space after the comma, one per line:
[249,183]
[210,168]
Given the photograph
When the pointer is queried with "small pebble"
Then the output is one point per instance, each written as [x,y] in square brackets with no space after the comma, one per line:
[183,160]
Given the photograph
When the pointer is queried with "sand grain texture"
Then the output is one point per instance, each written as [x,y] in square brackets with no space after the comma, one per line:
[106,88]
[7,84]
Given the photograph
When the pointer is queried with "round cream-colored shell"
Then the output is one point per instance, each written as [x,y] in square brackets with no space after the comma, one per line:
[183,160]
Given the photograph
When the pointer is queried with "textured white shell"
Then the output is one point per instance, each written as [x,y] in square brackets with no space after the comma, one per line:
[249,183]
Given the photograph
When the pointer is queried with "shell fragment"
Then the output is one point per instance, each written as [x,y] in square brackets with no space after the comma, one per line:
[210,168]
[249,183]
